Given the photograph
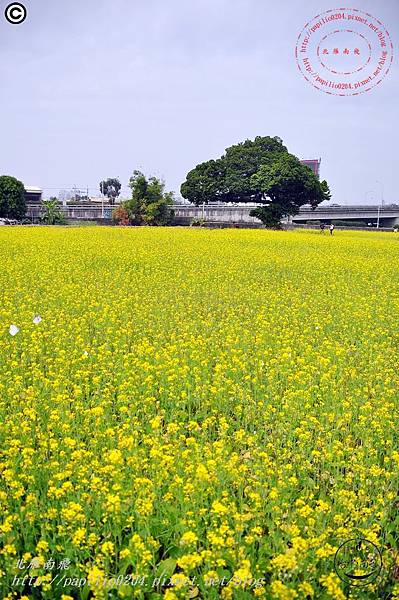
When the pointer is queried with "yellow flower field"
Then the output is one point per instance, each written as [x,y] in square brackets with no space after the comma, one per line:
[198,413]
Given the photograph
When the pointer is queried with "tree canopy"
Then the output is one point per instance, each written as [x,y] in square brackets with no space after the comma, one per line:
[228,179]
[111,188]
[149,202]
[12,198]
[287,185]
[259,171]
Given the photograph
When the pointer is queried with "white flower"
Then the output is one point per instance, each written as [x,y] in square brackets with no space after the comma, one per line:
[37,319]
[13,330]
[86,353]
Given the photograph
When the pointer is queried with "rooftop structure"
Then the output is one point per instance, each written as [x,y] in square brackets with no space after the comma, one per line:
[314,164]
[33,194]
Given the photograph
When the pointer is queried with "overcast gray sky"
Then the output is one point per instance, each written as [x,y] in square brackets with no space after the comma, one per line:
[97,88]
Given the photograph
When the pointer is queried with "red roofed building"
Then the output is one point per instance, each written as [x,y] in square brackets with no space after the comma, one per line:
[313,164]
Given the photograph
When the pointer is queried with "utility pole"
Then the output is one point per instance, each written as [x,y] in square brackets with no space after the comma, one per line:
[382,203]
[382,192]
[102,199]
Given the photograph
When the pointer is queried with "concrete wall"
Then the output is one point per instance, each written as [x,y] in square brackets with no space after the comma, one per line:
[240,214]
[215,213]
[234,215]
[83,212]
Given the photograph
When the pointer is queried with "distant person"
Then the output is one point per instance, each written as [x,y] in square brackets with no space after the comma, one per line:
[322,227]
[332,229]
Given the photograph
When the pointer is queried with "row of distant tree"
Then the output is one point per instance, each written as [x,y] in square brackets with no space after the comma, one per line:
[260,171]
[13,203]
[110,188]
[149,202]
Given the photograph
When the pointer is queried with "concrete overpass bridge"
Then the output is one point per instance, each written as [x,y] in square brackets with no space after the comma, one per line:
[222,214]
[386,216]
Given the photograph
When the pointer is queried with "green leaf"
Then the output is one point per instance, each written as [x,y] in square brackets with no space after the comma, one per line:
[223,573]
[166,568]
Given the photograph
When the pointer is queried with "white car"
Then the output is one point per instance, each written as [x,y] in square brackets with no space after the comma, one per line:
[8,222]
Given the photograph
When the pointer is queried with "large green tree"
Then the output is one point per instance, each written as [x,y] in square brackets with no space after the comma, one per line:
[206,183]
[228,179]
[260,171]
[12,198]
[149,203]
[286,185]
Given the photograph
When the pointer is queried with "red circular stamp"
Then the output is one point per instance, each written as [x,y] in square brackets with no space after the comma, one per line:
[344,51]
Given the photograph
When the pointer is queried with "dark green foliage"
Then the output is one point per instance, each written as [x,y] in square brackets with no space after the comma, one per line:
[289,183]
[111,188]
[52,214]
[12,198]
[270,215]
[286,185]
[243,162]
[206,183]
[260,171]
[149,202]
[228,178]
[350,223]
[197,222]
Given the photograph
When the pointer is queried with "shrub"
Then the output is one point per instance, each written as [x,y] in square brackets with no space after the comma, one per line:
[51,213]
[120,215]
[197,222]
